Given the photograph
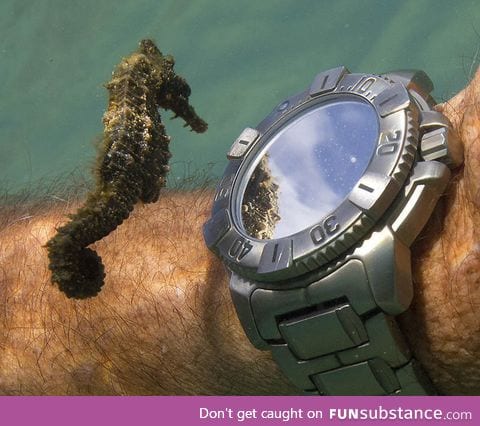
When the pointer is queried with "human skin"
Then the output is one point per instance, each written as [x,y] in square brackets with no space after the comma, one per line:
[164,323]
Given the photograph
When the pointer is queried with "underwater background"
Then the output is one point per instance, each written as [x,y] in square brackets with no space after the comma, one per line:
[240,58]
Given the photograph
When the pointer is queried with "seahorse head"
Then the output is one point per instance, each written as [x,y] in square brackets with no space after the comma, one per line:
[148,48]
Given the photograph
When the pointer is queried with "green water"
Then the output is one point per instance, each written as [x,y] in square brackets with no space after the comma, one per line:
[240,58]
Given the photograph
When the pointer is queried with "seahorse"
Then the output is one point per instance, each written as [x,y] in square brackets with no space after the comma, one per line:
[131,166]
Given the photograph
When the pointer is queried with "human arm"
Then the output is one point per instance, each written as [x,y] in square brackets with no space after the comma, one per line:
[163,324]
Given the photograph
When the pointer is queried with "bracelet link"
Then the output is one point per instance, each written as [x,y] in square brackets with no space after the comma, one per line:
[380,366]
[373,377]
[326,346]
[334,329]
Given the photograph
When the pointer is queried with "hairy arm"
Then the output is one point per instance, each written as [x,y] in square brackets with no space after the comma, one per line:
[164,323]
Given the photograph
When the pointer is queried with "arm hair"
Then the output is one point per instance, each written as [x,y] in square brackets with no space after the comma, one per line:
[162,325]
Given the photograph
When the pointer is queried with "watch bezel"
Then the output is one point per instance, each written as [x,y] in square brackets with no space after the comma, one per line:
[334,234]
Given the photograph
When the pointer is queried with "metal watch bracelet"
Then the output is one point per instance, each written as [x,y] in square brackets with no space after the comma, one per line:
[330,339]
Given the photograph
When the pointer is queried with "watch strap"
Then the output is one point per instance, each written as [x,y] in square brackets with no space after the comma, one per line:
[327,346]
[370,356]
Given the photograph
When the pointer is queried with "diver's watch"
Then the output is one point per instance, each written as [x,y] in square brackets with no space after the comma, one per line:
[314,218]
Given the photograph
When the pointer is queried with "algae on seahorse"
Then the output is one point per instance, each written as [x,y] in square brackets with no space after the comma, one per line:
[131,166]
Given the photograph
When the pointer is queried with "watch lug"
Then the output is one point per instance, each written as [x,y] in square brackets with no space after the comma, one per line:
[426,184]
[387,262]
[412,79]
[241,292]
[432,120]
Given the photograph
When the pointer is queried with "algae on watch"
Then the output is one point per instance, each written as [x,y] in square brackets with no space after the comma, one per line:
[131,166]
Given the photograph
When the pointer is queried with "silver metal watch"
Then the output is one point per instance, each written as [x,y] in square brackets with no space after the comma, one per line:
[314,217]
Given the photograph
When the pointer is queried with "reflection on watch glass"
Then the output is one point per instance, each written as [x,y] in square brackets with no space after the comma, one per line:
[309,167]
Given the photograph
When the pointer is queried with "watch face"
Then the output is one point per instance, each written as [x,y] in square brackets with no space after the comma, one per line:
[308,167]
[314,176]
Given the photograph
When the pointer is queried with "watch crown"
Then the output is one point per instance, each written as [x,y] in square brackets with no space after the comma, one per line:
[442,145]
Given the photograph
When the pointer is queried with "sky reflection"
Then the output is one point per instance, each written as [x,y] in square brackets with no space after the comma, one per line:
[316,161]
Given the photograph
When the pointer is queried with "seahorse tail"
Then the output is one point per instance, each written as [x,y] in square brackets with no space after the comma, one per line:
[77,270]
